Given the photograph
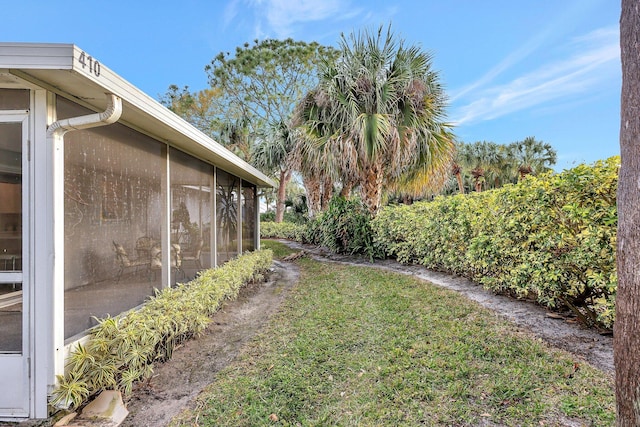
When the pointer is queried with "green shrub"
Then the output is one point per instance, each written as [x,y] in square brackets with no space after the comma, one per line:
[344,228]
[312,232]
[281,230]
[551,237]
[122,350]
[293,216]
[268,216]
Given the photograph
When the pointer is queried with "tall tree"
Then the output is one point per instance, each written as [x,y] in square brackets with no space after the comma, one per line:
[381,108]
[203,109]
[256,86]
[483,159]
[626,334]
[262,81]
[273,154]
[457,167]
[531,156]
[261,84]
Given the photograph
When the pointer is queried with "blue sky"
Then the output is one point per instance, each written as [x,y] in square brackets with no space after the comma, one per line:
[512,69]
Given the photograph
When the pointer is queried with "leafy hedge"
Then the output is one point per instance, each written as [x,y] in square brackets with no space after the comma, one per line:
[552,238]
[281,230]
[123,349]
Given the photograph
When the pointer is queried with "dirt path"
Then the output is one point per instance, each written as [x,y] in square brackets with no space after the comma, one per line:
[195,364]
[176,383]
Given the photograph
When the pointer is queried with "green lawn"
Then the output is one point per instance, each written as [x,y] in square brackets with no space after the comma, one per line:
[357,346]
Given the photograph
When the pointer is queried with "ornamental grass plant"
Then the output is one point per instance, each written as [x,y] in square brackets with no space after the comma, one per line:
[123,349]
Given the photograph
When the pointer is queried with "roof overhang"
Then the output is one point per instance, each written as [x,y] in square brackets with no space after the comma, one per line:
[69,71]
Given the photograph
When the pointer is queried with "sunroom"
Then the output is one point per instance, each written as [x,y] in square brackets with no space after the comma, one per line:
[105,195]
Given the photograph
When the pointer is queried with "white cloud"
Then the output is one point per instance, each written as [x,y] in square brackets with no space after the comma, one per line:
[516,56]
[284,18]
[554,26]
[230,12]
[283,13]
[595,59]
[606,35]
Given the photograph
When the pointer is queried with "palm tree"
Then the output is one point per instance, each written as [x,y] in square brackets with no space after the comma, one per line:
[236,136]
[532,157]
[457,166]
[380,108]
[456,170]
[480,158]
[498,166]
[317,167]
[273,156]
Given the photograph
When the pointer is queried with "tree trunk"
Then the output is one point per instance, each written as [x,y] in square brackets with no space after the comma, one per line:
[478,178]
[327,192]
[285,176]
[457,172]
[478,185]
[460,182]
[371,188]
[524,171]
[347,186]
[314,195]
[626,341]
[407,200]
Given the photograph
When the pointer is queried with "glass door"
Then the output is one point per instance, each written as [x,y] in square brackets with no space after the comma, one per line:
[14,378]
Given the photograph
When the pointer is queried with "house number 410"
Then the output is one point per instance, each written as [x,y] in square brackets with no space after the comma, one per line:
[88,61]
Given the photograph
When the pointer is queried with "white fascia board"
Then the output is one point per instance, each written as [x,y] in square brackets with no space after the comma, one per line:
[148,114]
[36,56]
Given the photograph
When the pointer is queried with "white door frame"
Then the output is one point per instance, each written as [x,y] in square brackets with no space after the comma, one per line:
[14,367]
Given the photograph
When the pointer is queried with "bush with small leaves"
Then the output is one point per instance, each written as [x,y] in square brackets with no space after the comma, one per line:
[281,230]
[551,237]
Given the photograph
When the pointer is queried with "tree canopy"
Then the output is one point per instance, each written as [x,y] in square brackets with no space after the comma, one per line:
[483,165]
[381,109]
[253,92]
[262,82]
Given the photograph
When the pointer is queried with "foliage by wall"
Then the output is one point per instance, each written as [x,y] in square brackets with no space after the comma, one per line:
[122,350]
[552,238]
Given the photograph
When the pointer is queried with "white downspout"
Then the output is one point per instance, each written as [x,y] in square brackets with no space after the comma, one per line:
[55,201]
[107,117]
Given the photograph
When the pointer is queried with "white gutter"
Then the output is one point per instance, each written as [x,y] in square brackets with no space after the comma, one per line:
[55,202]
[109,116]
